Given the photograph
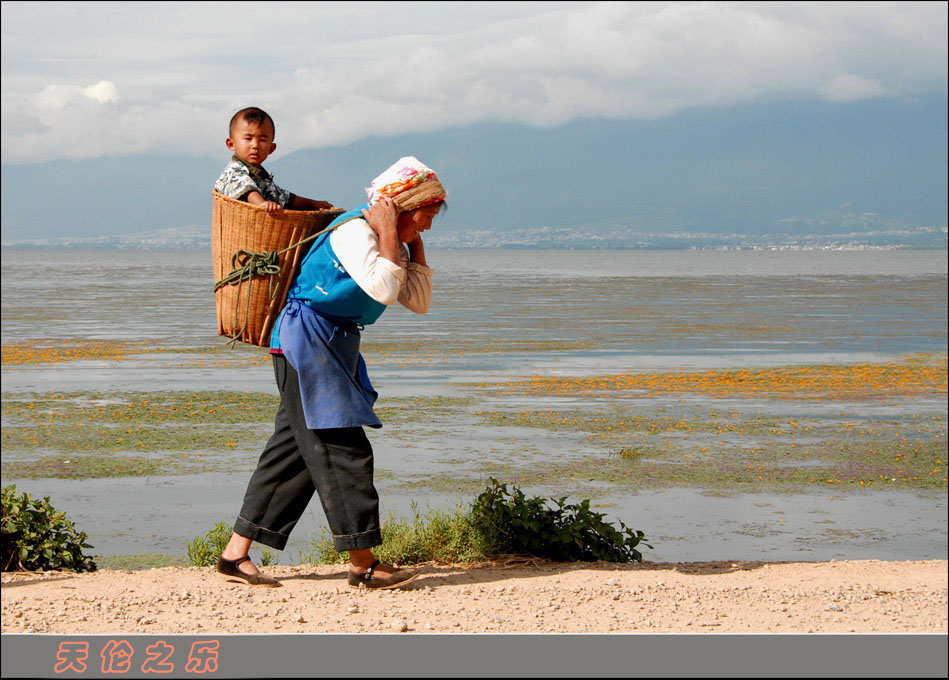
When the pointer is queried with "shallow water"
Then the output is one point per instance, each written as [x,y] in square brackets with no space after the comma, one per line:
[690,525]
[635,310]
[624,301]
[161,514]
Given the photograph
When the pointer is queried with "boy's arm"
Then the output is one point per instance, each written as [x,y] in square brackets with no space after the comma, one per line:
[301,203]
[257,198]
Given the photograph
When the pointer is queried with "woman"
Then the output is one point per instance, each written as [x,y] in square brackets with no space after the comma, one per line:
[347,279]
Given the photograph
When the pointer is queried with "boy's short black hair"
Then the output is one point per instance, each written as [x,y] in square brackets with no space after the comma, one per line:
[252,115]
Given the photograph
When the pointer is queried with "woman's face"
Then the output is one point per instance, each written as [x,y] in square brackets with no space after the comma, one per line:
[413,223]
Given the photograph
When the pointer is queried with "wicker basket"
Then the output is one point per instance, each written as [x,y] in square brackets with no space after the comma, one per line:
[245,310]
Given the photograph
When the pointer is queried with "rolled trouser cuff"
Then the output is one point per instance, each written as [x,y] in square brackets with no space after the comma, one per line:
[360,541]
[272,539]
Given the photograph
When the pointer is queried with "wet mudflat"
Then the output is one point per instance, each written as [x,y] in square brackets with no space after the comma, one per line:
[804,430]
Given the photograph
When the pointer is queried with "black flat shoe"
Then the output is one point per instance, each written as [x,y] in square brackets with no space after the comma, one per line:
[382,581]
[229,568]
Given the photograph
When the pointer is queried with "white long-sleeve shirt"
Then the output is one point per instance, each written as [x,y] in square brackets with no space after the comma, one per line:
[357,247]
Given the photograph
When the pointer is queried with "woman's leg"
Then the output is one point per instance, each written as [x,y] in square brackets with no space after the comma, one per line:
[340,464]
[278,491]
[337,463]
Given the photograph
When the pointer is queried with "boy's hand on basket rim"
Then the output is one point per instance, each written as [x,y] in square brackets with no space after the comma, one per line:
[256,198]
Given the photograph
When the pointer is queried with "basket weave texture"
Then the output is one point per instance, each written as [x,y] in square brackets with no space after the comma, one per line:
[237,226]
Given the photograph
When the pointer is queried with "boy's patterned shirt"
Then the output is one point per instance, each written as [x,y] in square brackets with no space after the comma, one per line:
[239,178]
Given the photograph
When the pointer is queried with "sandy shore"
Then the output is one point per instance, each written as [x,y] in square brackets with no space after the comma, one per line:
[709,597]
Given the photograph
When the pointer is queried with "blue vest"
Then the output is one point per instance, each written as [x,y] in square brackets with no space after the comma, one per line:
[327,288]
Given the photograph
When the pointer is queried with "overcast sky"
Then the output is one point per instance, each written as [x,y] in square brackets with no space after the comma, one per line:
[84,80]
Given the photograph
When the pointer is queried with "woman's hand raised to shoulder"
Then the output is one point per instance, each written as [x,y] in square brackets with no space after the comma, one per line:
[383,218]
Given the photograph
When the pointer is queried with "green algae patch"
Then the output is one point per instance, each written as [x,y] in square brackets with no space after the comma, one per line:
[597,475]
[404,410]
[623,419]
[723,449]
[99,437]
[140,408]
[98,467]
[136,422]
[86,435]
[137,411]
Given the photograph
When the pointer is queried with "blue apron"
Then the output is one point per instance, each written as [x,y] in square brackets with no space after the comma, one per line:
[334,384]
[318,332]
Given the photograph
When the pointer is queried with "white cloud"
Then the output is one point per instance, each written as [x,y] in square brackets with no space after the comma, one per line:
[102,92]
[332,74]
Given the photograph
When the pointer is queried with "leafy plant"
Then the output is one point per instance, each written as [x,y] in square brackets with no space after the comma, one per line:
[203,551]
[38,538]
[319,550]
[513,523]
[268,558]
[499,521]
[447,537]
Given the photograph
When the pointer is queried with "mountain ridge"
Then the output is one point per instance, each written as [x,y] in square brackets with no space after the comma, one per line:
[796,169]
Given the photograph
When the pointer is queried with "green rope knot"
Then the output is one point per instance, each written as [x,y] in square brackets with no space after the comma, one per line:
[246,265]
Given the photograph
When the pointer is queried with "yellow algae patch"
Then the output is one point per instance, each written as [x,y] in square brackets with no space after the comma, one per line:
[40,352]
[914,377]
[51,352]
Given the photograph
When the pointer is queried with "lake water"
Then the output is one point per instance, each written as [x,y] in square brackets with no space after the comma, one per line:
[595,311]
[627,301]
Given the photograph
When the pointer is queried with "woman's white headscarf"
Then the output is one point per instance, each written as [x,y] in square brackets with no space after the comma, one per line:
[409,183]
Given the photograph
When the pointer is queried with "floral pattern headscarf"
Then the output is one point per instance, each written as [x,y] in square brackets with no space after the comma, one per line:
[404,174]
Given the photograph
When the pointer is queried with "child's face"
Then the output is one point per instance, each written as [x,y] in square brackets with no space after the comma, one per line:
[252,142]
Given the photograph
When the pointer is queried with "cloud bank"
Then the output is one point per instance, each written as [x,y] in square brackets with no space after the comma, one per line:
[115,79]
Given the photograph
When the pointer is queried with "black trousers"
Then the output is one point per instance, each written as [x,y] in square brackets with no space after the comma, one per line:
[336,463]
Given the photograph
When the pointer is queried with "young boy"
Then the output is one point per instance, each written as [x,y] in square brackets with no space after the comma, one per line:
[252,132]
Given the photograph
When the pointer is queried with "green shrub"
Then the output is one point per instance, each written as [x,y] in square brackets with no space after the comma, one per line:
[36,537]
[454,537]
[268,559]
[448,537]
[320,550]
[203,551]
[513,523]
[499,522]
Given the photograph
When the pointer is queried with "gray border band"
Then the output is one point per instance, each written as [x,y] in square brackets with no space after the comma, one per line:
[452,655]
